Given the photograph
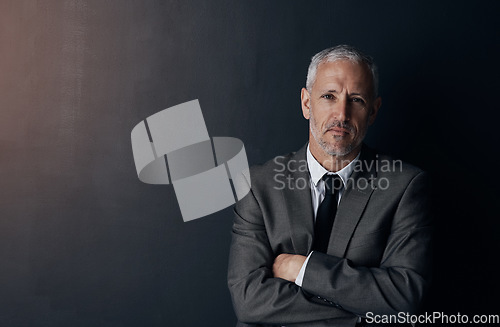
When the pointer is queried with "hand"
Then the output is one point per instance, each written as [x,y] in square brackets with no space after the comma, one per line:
[287,266]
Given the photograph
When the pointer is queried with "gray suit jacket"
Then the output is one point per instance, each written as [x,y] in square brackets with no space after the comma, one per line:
[378,259]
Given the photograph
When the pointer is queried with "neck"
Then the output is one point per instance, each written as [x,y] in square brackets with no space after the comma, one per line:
[332,163]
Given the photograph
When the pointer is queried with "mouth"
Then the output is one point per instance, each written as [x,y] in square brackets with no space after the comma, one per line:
[339,131]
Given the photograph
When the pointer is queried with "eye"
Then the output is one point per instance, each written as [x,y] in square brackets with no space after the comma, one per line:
[328,96]
[358,100]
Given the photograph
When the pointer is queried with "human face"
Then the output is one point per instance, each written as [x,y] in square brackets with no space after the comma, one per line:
[340,106]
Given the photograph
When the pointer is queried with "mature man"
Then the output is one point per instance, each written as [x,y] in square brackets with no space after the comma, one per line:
[334,232]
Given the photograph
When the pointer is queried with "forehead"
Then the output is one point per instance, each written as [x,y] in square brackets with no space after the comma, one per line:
[355,76]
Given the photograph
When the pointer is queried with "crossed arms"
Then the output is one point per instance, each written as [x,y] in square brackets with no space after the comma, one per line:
[333,287]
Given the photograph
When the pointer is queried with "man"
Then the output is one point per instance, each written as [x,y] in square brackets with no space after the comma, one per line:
[334,232]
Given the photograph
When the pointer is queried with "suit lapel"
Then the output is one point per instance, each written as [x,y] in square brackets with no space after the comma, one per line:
[297,199]
[357,193]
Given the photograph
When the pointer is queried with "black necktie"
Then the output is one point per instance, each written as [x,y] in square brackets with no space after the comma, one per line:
[326,213]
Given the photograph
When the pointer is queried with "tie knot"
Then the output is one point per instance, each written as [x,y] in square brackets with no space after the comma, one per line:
[333,183]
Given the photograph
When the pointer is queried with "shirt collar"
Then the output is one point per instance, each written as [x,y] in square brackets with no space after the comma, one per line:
[317,171]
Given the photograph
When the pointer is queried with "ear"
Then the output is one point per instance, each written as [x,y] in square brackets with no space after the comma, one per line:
[305,100]
[376,106]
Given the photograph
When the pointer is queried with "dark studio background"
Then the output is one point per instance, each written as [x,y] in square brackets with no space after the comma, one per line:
[84,243]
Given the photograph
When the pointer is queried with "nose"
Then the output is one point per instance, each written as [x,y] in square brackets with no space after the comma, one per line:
[342,110]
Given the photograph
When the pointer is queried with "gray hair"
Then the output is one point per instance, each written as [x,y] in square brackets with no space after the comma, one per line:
[341,52]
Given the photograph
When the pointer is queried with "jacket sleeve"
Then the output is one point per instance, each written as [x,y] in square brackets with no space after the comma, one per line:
[399,282]
[257,296]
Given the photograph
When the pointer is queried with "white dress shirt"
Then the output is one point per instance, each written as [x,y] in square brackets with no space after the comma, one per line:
[316,172]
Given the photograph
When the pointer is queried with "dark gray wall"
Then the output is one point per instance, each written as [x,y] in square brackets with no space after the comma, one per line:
[84,243]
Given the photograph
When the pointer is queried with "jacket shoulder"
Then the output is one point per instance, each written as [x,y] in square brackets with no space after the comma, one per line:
[398,173]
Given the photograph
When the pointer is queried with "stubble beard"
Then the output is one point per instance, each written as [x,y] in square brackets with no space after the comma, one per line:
[331,149]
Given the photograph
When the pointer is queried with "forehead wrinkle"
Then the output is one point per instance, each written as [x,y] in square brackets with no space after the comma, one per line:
[339,87]
[331,76]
